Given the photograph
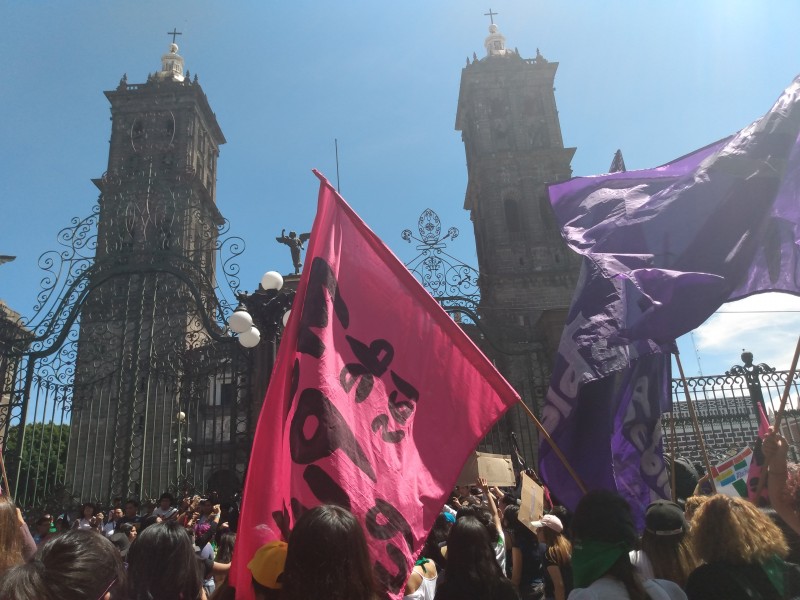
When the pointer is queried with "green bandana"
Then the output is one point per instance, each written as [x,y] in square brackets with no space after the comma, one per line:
[592,559]
[774,568]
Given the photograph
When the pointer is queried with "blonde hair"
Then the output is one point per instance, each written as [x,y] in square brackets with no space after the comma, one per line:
[10,536]
[733,530]
[558,547]
[692,504]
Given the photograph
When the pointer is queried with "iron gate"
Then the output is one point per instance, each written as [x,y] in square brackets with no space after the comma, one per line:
[125,382]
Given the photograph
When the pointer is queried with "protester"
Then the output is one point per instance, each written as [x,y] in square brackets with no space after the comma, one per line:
[784,492]
[472,570]
[691,506]
[603,535]
[328,558]
[44,530]
[421,584]
[121,541]
[565,517]
[131,513]
[464,496]
[510,517]
[557,563]
[205,530]
[165,510]
[266,568]
[496,532]
[110,525]
[87,520]
[129,530]
[527,556]
[666,552]
[62,524]
[436,538]
[205,524]
[16,543]
[224,553]
[742,550]
[162,564]
[76,565]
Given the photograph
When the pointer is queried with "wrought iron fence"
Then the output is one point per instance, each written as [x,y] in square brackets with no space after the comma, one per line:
[128,332]
[726,414]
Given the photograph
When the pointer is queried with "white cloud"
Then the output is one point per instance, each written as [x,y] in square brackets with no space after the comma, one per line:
[767,325]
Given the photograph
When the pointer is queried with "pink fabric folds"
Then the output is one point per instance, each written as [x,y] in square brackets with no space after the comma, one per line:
[757,463]
[376,400]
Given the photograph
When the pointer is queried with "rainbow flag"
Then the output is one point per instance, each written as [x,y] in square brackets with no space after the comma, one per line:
[730,476]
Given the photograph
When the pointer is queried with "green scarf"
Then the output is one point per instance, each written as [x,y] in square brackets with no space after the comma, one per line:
[592,559]
[774,568]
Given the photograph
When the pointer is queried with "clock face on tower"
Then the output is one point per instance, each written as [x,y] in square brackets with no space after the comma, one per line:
[152,132]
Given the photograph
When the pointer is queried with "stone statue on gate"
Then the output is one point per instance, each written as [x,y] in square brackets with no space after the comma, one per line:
[295,244]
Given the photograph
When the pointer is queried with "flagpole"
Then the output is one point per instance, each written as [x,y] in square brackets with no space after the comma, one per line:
[695,424]
[553,445]
[672,453]
[779,415]
[5,476]
[789,379]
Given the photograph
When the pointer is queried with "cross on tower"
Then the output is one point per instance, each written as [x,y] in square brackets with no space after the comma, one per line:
[175,32]
[491,15]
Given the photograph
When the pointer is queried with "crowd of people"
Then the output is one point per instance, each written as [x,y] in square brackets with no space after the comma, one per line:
[705,547]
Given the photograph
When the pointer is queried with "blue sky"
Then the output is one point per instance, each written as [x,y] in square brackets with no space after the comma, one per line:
[656,79]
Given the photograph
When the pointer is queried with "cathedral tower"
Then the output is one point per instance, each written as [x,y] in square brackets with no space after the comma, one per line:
[150,286]
[512,137]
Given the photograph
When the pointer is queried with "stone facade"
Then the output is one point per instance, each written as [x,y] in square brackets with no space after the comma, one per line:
[11,333]
[509,123]
[154,267]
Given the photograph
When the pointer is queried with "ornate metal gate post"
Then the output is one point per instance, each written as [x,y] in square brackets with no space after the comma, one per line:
[752,375]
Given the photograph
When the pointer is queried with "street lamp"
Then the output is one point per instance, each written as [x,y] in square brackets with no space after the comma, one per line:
[182,443]
[261,311]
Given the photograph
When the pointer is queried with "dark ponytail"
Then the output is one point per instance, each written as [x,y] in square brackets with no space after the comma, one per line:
[626,573]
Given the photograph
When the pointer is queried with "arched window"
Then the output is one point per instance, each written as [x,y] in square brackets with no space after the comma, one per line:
[513,220]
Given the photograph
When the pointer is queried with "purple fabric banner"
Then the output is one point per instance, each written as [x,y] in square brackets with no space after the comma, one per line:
[663,249]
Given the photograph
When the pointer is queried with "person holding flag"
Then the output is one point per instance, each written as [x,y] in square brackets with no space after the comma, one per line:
[776,452]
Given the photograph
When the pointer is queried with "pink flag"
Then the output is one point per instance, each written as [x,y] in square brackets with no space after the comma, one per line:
[375,403]
[757,463]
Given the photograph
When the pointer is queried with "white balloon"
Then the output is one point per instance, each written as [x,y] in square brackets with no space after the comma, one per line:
[285,318]
[250,338]
[240,321]
[272,280]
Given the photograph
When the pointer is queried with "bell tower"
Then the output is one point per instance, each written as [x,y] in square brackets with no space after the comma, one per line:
[152,278]
[512,138]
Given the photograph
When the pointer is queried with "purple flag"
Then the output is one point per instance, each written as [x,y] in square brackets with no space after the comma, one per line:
[663,249]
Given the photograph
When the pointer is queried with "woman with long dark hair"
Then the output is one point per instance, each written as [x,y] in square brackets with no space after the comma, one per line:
[603,536]
[328,558]
[162,564]
[472,569]
[224,554]
[75,565]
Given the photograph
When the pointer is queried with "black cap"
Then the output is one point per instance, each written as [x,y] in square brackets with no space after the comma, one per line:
[665,518]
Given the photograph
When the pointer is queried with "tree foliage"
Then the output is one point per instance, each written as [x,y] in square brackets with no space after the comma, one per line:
[43,462]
